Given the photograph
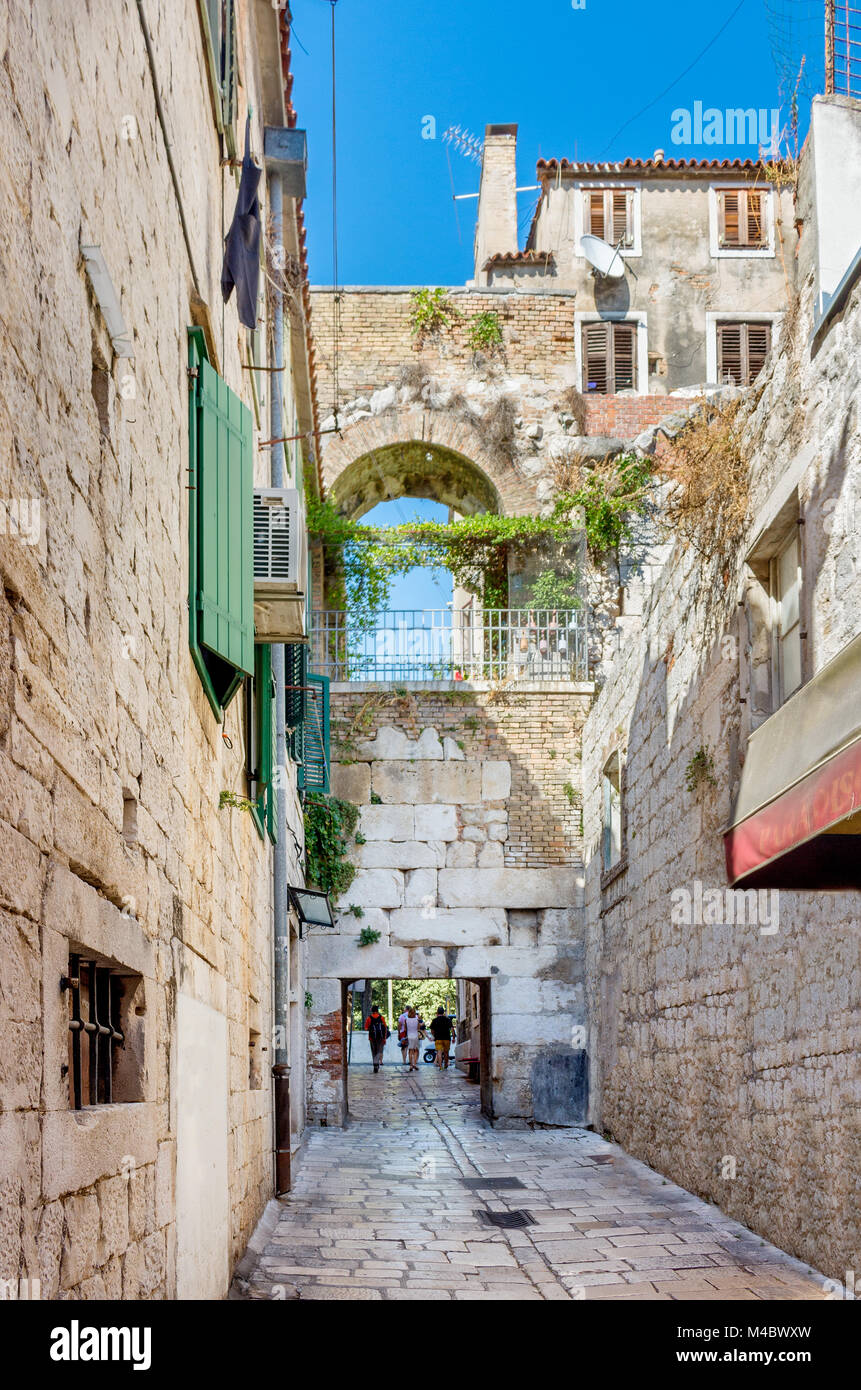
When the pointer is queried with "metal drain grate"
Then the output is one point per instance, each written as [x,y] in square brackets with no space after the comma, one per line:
[507,1220]
[499,1183]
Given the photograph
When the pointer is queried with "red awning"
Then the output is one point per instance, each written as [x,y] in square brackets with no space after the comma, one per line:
[797,816]
[821,800]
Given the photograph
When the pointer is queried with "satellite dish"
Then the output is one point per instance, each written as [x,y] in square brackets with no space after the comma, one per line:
[604,257]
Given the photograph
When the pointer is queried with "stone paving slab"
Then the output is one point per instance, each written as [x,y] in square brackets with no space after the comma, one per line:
[378,1212]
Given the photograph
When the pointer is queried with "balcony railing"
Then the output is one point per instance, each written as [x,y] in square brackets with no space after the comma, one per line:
[435,644]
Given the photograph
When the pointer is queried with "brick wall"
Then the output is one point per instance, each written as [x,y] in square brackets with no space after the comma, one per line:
[375,340]
[624,417]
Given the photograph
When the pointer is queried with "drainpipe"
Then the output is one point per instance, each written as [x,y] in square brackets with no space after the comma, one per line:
[281,1067]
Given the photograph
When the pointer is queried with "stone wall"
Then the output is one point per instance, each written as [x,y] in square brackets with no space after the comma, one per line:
[468,867]
[111,761]
[385,372]
[723,1053]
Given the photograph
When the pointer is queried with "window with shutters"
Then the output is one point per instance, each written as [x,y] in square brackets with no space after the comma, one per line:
[609,214]
[218,18]
[609,354]
[741,351]
[307,719]
[314,771]
[742,219]
[221,495]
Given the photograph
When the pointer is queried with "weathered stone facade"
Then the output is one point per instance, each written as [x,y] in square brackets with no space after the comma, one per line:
[726,1052]
[469,869]
[402,398]
[111,760]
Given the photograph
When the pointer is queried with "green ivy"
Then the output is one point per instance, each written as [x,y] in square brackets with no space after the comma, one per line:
[368,937]
[239,803]
[552,590]
[431,311]
[701,768]
[484,333]
[610,498]
[329,823]
[361,561]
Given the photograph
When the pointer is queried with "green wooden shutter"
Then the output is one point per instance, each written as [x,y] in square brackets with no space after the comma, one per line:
[272,789]
[295,665]
[263,681]
[314,774]
[225,493]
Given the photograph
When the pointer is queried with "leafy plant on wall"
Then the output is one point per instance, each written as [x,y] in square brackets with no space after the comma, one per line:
[329,823]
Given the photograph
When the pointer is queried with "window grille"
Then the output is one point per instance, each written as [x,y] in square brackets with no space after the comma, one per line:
[95,1034]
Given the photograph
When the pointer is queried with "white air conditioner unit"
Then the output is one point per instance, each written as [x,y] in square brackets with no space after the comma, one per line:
[280,565]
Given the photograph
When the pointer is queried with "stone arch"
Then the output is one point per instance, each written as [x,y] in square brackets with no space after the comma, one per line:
[416,452]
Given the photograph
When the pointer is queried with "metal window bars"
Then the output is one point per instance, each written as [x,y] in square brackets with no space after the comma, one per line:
[842,48]
[437,644]
[97,990]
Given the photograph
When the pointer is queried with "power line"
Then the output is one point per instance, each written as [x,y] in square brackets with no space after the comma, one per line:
[711,43]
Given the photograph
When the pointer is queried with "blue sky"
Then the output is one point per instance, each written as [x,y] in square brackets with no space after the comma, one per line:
[421,588]
[569,77]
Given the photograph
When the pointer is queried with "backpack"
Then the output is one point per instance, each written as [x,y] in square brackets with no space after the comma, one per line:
[377,1030]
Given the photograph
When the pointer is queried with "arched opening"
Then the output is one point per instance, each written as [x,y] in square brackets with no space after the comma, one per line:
[415,468]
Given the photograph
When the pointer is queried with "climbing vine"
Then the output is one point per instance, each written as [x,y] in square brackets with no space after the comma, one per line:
[484,332]
[363,560]
[329,823]
[431,311]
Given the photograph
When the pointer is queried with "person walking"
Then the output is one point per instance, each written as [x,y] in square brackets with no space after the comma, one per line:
[377,1035]
[402,1034]
[441,1029]
[415,1033]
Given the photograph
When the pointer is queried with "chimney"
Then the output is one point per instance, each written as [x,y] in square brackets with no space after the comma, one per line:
[496,229]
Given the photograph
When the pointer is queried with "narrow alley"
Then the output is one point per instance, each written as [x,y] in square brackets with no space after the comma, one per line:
[393,1207]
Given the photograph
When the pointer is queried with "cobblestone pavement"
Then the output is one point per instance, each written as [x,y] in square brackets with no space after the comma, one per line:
[380,1210]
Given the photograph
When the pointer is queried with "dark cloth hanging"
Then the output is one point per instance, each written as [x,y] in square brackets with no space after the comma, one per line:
[242,245]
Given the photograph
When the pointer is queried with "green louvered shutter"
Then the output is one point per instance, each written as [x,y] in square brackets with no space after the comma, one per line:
[295,664]
[314,774]
[225,494]
[272,789]
[263,654]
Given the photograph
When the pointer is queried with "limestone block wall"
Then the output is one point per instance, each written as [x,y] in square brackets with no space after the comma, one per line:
[111,761]
[722,1054]
[469,867]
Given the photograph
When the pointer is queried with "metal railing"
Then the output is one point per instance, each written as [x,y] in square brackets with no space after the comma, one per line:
[435,644]
[842,48]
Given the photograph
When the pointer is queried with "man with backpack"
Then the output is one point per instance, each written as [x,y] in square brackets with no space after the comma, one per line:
[441,1029]
[377,1035]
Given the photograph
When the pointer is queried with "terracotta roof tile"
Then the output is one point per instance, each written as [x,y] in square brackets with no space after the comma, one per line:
[519,258]
[548,167]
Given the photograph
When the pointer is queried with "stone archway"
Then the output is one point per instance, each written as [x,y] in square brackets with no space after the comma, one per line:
[417,452]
